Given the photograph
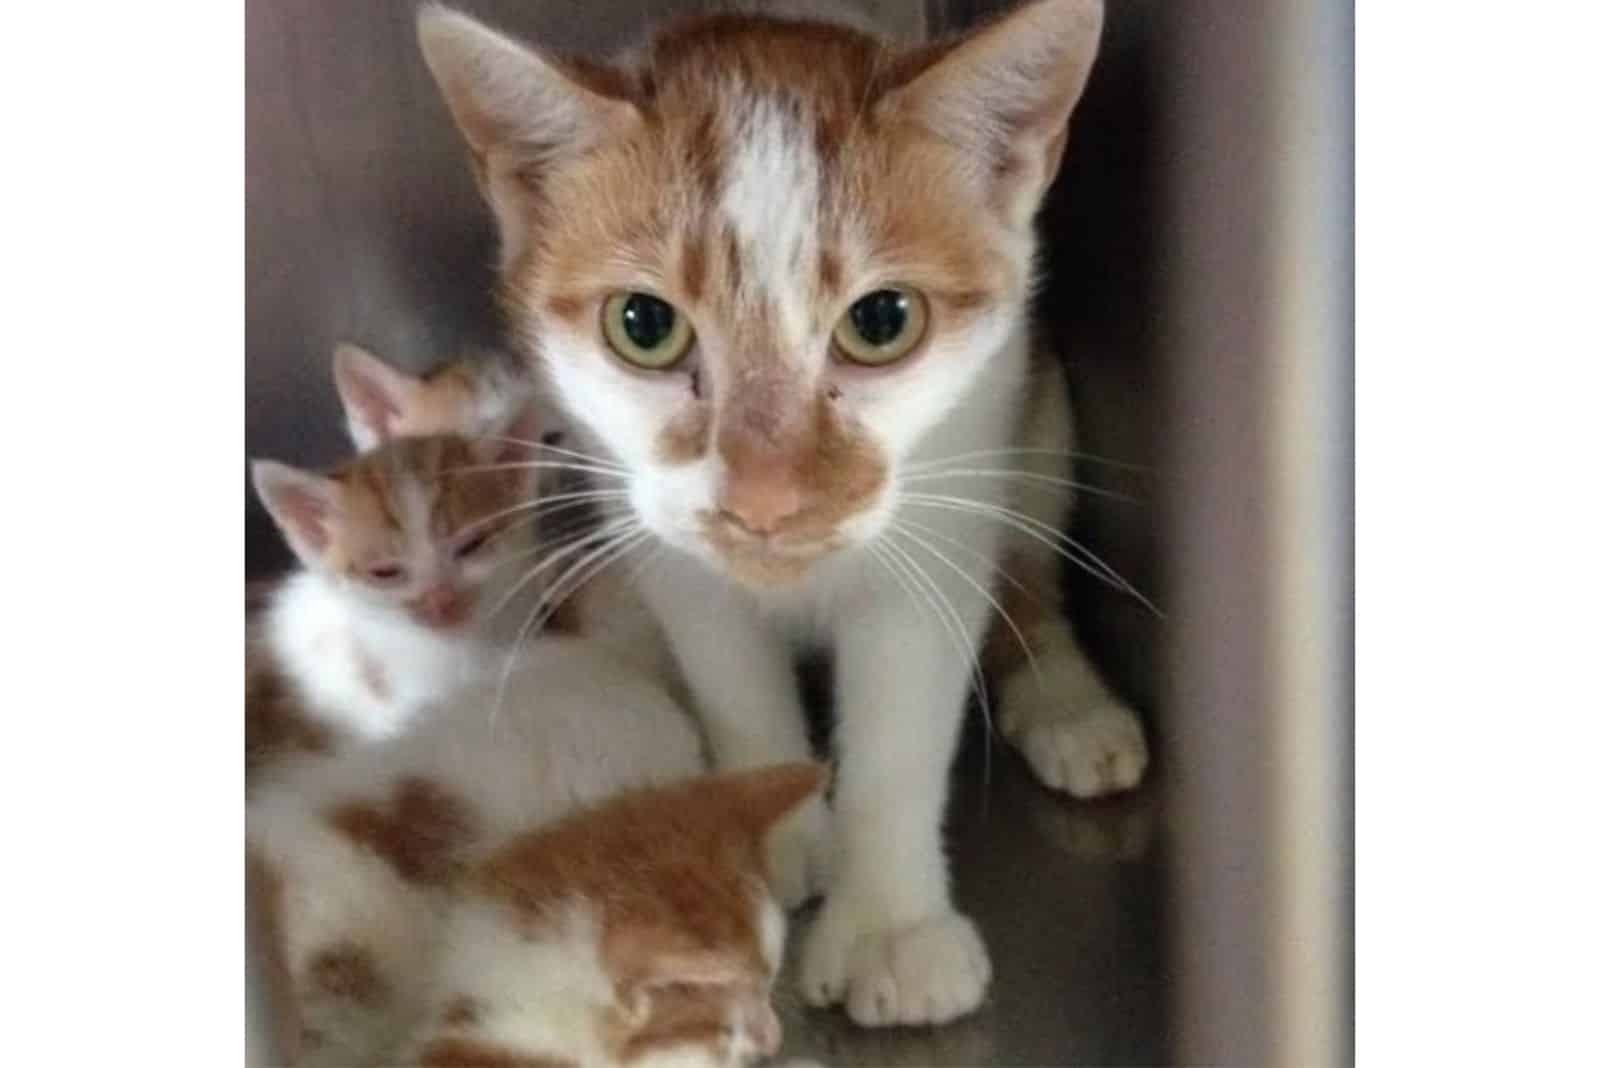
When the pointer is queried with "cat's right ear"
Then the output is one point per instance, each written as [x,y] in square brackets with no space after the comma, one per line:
[301,503]
[520,111]
[375,396]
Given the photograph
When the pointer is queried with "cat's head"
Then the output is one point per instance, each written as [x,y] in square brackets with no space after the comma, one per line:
[761,259]
[425,526]
[648,933]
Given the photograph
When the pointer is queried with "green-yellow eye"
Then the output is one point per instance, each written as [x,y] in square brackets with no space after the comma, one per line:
[882,326]
[645,330]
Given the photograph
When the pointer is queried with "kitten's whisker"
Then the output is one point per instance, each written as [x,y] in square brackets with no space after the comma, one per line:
[994,602]
[1005,473]
[1041,532]
[1071,454]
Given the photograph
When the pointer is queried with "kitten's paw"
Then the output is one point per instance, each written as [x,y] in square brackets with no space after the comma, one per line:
[799,852]
[1090,755]
[929,972]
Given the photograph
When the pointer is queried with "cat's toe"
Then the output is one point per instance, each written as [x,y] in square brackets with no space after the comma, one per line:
[929,972]
[1100,752]
[799,854]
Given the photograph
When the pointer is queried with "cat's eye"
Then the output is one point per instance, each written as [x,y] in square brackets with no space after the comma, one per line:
[645,330]
[472,545]
[882,327]
[386,573]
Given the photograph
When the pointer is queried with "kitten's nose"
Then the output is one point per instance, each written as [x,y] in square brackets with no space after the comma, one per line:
[441,607]
[760,502]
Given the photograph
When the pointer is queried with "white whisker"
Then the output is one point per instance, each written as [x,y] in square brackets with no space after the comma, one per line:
[998,453]
[994,602]
[1041,532]
[1030,476]
[590,458]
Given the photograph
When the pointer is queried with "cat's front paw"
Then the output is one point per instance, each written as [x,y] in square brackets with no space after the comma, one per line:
[1090,754]
[927,972]
[799,855]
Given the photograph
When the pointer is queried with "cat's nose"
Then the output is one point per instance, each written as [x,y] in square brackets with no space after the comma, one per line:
[760,504]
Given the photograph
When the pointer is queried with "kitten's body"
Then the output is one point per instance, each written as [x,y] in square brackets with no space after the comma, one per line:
[421,886]
[767,185]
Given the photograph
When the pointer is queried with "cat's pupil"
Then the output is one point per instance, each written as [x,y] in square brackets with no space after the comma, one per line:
[880,317]
[647,320]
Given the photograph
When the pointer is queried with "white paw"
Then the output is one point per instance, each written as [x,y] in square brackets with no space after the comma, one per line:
[1090,755]
[928,972]
[798,855]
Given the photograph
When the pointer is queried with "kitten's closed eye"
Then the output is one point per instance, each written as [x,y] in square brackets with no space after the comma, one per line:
[472,544]
[386,573]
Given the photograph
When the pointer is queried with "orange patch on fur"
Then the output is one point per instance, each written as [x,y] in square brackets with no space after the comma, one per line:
[347,971]
[419,832]
[276,725]
[674,869]
[462,1011]
[687,437]
[264,888]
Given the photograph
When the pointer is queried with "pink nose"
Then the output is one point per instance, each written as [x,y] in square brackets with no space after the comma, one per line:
[441,607]
[760,502]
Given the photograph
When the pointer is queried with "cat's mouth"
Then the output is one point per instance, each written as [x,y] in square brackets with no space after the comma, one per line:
[767,561]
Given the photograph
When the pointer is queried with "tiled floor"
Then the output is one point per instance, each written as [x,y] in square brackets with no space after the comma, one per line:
[1070,897]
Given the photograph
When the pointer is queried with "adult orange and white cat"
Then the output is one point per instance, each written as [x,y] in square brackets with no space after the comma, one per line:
[778,271]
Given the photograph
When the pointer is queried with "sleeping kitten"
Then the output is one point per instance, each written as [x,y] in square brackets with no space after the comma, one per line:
[641,932]
[806,343]
[417,886]
[407,554]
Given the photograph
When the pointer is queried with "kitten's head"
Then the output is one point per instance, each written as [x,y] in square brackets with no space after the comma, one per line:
[760,259]
[425,526]
[474,397]
[648,933]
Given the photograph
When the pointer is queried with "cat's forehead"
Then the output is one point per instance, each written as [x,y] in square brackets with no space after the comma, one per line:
[763,190]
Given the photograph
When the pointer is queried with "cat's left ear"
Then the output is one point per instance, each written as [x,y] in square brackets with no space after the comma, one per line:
[302,504]
[376,397]
[1003,95]
[521,111]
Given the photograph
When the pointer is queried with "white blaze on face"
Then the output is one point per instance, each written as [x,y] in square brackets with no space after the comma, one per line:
[771,199]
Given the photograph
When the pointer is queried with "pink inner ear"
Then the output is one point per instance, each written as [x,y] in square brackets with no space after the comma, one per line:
[370,404]
[307,513]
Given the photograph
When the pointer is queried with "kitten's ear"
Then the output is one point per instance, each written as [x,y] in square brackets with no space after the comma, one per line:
[515,439]
[520,111]
[762,797]
[1004,94]
[301,503]
[376,397]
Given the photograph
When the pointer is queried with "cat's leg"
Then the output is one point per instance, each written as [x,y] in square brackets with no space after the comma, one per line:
[888,943]
[740,675]
[1053,705]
